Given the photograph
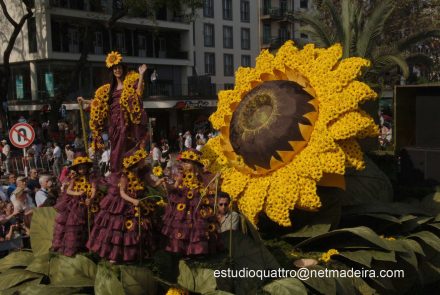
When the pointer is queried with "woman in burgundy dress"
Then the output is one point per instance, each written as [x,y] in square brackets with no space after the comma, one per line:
[120,104]
[71,223]
[188,214]
[123,229]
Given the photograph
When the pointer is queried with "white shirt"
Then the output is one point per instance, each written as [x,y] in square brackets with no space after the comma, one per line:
[20,206]
[6,150]
[157,154]
[231,221]
[188,141]
[57,152]
[40,197]
[105,157]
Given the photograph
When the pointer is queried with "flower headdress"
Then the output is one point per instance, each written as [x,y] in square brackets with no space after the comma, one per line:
[134,158]
[113,58]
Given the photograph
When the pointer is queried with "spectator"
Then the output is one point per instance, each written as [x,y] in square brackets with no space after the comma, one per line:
[200,142]
[226,218]
[165,154]
[188,140]
[33,184]
[22,204]
[42,194]
[6,151]
[180,141]
[11,184]
[7,220]
[3,196]
[69,153]
[78,144]
[156,154]
[104,163]
[56,160]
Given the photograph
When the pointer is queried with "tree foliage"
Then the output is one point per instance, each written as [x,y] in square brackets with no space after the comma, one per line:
[375,30]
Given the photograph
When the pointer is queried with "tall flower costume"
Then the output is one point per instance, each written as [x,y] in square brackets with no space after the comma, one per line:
[186,222]
[71,223]
[122,231]
[123,109]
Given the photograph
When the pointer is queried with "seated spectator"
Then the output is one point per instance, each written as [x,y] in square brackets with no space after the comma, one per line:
[33,184]
[22,204]
[7,220]
[226,218]
[3,196]
[11,184]
[42,194]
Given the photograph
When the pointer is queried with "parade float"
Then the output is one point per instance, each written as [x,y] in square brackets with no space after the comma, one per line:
[289,134]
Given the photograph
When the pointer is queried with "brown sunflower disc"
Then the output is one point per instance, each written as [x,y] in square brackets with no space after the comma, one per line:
[266,120]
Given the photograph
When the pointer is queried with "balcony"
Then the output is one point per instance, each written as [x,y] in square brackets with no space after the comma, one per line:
[276,13]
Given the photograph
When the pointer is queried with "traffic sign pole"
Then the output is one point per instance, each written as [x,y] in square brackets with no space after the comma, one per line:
[25,163]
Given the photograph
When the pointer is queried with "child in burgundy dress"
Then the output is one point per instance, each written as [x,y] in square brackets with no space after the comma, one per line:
[186,222]
[122,230]
[71,223]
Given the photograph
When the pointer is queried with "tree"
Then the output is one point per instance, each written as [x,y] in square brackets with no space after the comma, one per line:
[6,68]
[361,29]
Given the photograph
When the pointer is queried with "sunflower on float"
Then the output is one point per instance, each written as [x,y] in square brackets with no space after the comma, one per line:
[290,124]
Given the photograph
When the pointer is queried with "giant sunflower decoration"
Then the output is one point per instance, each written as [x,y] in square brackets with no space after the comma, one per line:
[289,124]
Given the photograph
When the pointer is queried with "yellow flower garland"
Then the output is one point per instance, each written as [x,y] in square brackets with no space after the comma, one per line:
[135,158]
[81,184]
[134,183]
[330,147]
[130,101]
[157,171]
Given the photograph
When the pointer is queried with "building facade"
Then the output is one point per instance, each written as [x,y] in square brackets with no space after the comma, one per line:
[48,49]
[225,38]
[277,25]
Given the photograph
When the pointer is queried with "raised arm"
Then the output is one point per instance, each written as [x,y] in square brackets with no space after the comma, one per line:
[122,191]
[140,87]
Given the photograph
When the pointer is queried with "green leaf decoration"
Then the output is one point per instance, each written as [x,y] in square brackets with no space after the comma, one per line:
[218,292]
[40,264]
[309,231]
[19,288]
[15,259]
[413,246]
[48,290]
[78,271]
[199,280]
[286,286]
[365,257]
[321,285]
[13,277]
[138,280]
[42,230]
[428,238]
[106,282]
[356,237]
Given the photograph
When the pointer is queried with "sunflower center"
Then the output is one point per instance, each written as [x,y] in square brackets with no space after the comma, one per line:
[268,126]
[258,112]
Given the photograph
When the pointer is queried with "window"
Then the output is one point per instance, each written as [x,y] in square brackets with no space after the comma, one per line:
[120,42]
[228,64]
[244,11]
[245,60]
[227,37]
[228,86]
[208,35]
[283,6]
[266,6]
[227,9]
[284,34]
[208,8]
[98,43]
[266,33]
[73,38]
[209,63]
[32,35]
[142,45]
[304,4]
[245,39]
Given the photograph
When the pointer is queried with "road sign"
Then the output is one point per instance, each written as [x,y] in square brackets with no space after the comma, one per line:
[21,135]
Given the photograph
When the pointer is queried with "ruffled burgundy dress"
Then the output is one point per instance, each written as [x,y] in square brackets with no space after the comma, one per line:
[113,237]
[189,225]
[70,232]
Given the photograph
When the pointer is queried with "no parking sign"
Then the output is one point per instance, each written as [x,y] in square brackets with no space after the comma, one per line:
[21,135]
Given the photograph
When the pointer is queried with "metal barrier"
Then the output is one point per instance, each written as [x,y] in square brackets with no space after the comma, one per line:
[17,164]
